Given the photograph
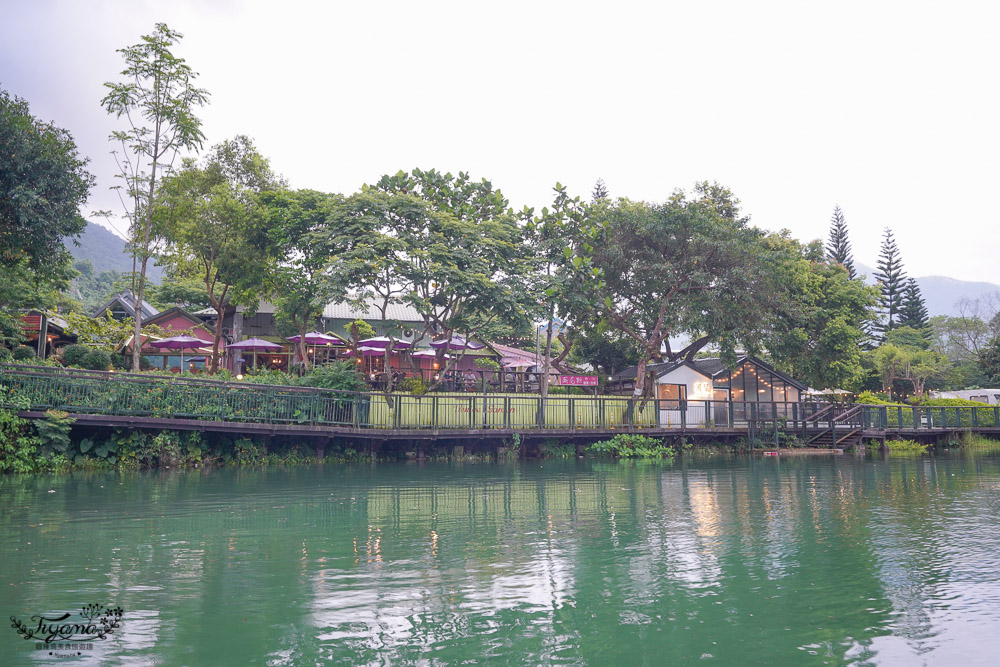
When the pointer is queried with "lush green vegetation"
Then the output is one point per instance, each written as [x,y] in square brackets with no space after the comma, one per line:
[632,446]
[906,447]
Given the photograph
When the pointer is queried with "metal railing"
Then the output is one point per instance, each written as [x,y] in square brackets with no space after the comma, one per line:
[137,395]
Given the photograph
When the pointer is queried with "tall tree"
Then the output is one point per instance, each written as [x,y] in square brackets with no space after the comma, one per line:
[914,313]
[456,248]
[157,97]
[210,215]
[692,267]
[891,282]
[303,281]
[838,248]
[818,336]
[43,184]
[600,192]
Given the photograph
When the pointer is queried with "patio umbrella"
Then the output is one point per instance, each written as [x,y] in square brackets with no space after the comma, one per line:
[425,354]
[516,362]
[458,343]
[317,338]
[383,342]
[254,345]
[179,343]
[368,351]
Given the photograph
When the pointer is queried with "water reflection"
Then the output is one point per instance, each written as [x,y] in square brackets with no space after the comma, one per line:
[740,561]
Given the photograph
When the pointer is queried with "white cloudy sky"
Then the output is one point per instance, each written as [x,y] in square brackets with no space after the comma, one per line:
[887,108]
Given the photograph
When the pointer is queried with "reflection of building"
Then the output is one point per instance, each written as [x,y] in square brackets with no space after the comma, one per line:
[710,392]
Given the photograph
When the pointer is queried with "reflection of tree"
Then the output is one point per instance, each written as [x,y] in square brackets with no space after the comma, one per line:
[576,562]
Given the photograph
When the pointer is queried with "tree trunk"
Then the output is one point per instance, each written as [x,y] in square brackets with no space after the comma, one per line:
[302,345]
[216,340]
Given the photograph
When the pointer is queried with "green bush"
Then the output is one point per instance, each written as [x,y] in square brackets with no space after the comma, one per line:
[17,445]
[340,375]
[553,449]
[53,433]
[73,355]
[952,402]
[23,353]
[97,360]
[874,398]
[415,386]
[630,445]
[487,364]
[905,447]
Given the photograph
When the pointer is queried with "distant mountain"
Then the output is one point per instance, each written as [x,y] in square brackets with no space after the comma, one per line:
[106,251]
[942,294]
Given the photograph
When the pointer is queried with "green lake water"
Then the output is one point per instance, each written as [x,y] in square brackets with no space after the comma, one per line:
[730,561]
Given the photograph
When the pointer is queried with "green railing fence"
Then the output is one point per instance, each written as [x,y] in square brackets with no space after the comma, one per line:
[135,395]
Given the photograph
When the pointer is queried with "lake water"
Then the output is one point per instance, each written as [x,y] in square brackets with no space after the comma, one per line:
[807,561]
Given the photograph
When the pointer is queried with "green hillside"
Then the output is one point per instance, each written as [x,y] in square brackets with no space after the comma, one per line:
[106,251]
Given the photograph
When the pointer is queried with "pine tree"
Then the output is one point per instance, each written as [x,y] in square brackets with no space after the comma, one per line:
[838,248]
[600,191]
[914,313]
[891,283]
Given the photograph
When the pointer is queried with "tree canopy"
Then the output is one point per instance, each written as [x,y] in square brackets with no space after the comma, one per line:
[43,184]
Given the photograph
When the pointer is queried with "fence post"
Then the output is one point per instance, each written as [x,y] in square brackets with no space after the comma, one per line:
[975,416]
[434,411]
[570,413]
[996,415]
[506,412]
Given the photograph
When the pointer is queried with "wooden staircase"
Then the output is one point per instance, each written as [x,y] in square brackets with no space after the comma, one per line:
[843,430]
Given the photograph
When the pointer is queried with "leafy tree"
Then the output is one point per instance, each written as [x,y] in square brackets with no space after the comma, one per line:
[818,336]
[892,284]
[600,192]
[450,247]
[914,313]
[838,248]
[23,288]
[302,283]
[688,267]
[186,292]
[158,98]
[604,348]
[989,360]
[43,184]
[564,278]
[890,360]
[908,337]
[211,216]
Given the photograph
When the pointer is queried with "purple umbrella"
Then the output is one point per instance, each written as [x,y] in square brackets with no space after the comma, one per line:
[179,343]
[254,345]
[317,338]
[457,343]
[383,342]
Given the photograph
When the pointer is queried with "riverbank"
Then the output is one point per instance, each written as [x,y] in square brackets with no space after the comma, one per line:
[56,444]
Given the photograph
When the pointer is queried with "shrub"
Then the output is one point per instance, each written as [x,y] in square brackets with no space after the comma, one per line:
[5,354]
[873,398]
[96,360]
[23,353]
[17,445]
[952,402]
[415,386]
[339,375]
[553,449]
[630,445]
[53,432]
[73,355]
[905,447]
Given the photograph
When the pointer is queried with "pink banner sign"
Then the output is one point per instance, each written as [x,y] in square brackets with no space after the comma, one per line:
[578,380]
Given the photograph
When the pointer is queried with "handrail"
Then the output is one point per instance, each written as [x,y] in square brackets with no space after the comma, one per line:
[849,413]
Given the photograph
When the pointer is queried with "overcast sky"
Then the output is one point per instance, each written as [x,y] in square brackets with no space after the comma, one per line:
[887,109]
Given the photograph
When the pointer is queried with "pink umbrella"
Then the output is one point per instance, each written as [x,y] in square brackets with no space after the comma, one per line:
[368,351]
[317,338]
[428,354]
[254,345]
[179,343]
[458,343]
[383,342]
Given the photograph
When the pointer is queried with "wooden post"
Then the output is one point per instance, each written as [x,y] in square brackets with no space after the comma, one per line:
[321,449]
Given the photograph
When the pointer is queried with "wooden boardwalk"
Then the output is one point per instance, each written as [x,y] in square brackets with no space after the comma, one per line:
[106,400]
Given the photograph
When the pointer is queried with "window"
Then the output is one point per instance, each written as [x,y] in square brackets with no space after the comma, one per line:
[671,395]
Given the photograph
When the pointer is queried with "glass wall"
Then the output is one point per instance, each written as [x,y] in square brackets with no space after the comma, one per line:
[749,383]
